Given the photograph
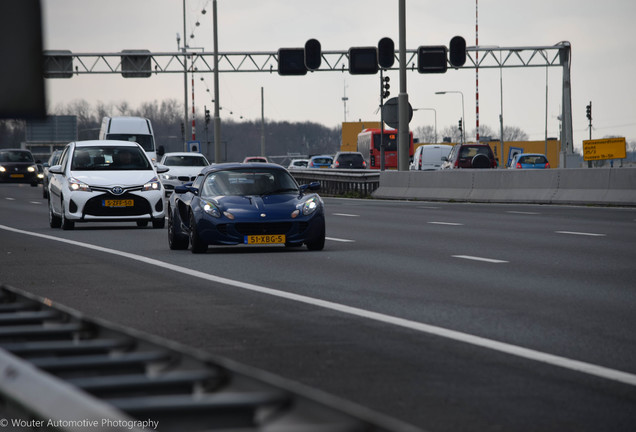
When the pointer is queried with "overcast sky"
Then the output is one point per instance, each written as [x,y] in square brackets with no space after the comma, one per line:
[602,34]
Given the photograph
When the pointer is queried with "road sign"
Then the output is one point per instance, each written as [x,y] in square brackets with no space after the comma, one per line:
[601,149]
[390,113]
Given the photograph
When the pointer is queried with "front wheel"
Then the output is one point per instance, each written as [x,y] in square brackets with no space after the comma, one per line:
[317,243]
[177,240]
[198,246]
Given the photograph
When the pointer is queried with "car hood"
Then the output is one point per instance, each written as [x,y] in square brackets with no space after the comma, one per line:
[184,170]
[114,178]
[278,205]
[8,165]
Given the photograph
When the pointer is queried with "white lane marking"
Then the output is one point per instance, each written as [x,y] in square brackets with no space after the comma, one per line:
[580,233]
[36,202]
[523,212]
[446,223]
[476,258]
[339,240]
[10,199]
[563,362]
[346,215]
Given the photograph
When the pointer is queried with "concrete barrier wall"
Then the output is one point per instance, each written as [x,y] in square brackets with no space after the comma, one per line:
[553,186]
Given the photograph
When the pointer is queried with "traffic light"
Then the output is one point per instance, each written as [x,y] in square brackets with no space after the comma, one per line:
[207,116]
[457,51]
[313,54]
[386,87]
[432,59]
[460,125]
[363,61]
[386,53]
[588,110]
[291,61]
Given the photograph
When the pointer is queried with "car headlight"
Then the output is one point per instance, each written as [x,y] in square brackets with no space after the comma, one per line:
[32,168]
[2,169]
[168,177]
[309,206]
[76,185]
[211,209]
[153,184]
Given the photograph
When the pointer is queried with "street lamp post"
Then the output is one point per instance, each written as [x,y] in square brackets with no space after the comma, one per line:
[435,114]
[463,122]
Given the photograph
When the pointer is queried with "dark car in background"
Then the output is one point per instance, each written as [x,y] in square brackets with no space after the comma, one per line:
[53,160]
[470,156]
[18,166]
[349,160]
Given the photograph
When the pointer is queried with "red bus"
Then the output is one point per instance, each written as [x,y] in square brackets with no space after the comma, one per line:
[369,146]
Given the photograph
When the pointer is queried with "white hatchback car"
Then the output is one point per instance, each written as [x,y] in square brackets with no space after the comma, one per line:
[183,168]
[105,181]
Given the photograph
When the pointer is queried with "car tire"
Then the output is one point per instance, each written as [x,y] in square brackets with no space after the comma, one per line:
[159,223]
[319,242]
[54,221]
[67,225]
[198,246]
[177,239]
[480,161]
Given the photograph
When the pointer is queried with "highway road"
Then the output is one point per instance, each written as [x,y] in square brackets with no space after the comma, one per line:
[451,317]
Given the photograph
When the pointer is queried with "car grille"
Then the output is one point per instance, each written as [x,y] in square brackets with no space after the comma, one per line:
[245,228]
[95,207]
[186,178]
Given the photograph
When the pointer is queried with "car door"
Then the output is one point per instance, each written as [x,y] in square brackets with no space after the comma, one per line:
[57,181]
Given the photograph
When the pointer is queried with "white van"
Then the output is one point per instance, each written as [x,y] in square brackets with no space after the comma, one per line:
[136,129]
[428,157]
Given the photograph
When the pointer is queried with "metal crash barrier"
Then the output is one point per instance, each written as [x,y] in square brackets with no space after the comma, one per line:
[62,371]
[341,182]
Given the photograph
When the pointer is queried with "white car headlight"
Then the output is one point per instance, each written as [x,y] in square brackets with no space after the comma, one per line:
[211,209]
[310,206]
[32,168]
[2,169]
[153,184]
[168,177]
[76,185]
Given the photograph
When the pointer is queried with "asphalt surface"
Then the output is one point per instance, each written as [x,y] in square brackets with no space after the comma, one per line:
[451,317]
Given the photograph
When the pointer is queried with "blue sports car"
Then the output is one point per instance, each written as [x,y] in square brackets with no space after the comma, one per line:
[245,203]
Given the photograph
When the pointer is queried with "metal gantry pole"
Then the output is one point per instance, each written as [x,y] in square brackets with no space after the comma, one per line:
[403,97]
[217,116]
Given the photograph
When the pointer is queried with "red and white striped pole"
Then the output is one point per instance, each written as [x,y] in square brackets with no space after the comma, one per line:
[477,68]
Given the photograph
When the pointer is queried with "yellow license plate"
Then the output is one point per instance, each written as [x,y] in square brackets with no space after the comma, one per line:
[119,203]
[17,175]
[265,239]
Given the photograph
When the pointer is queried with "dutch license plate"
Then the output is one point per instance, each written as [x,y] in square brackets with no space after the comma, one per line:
[119,203]
[265,239]
[17,175]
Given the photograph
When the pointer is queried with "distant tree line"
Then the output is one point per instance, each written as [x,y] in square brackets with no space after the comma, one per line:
[238,138]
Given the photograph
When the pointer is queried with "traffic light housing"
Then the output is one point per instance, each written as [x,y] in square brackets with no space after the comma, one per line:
[432,59]
[313,54]
[386,53]
[207,116]
[363,61]
[460,125]
[457,51]
[291,61]
[385,87]
[588,111]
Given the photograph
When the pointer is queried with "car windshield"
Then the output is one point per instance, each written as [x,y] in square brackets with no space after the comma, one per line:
[350,158]
[109,158]
[16,156]
[469,152]
[322,160]
[185,161]
[533,159]
[251,181]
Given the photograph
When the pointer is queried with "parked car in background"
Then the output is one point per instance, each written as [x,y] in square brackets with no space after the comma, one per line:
[53,160]
[320,161]
[18,166]
[470,156]
[261,159]
[529,161]
[250,204]
[348,160]
[429,157]
[105,181]
[298,163]
[183,168]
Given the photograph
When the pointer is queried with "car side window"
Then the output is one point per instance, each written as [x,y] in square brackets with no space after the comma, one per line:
[64,157]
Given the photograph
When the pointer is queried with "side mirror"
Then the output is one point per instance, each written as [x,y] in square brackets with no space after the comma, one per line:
[161,168]
[445,158]
[56,169]
[185,188]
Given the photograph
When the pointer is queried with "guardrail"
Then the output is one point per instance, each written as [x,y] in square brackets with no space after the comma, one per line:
[340,182]
[62,371]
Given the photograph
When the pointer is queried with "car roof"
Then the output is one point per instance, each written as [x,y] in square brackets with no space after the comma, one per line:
[238,166]
[106,143]
[322,156]
[183,154]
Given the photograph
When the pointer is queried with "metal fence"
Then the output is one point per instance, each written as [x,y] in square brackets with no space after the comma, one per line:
[357,183]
